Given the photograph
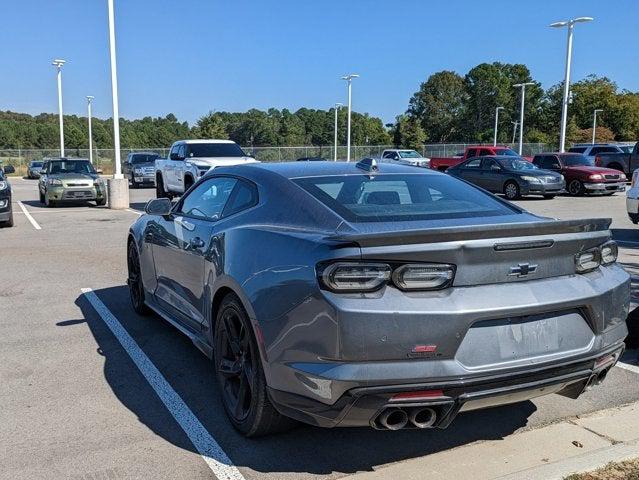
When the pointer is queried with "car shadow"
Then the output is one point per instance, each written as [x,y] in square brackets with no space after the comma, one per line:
[66,204]
[303,449]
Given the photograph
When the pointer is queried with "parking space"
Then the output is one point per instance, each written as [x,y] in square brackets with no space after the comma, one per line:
[92,390]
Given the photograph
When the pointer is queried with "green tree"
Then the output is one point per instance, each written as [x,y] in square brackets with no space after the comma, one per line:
[210,126]
[409,133]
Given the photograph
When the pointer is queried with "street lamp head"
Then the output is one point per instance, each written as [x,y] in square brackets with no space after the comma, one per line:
[582,19]
[565,23]
[500,108]
[558,24]
[350,76]
[90,98]
[597,110]
[58,62]
[337,105]
[525,84]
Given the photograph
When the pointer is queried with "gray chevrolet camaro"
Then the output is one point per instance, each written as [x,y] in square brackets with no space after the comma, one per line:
[343,294]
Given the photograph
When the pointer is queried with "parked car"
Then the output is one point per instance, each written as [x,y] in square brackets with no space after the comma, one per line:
[443,163]
[581,174]
[388,297]
[405,157]
[140,168]
[66,180]
[512,176]
[591,150]
[632,198]
[33,170]
[624,162]
[189,160]
[6,207]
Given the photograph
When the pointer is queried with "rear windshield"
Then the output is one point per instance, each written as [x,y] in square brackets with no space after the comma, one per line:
[70,166]
[36,164]
[409,154]
[577,149]
[516,164]
[506,151]
[402,197]
[143,158]
[214,150]
[577,161]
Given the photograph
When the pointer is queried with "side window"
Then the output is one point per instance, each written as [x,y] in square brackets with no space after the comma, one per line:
[182,151]
[489,164]
[484,151]
[473,163]
[388,155]
[577,150]
[472,152]
[244,196]
[208,199]
[551,162]
[177,152]
[538,161]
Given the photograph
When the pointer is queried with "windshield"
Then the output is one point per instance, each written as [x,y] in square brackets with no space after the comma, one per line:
[516,164]
[214,150]
[143,158]
[36,164]
[577,160]
[506,151]
[70,166]
[402,197]
[409,154]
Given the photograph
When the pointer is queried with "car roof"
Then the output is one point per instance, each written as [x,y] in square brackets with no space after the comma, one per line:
[62,159]
[559,153]
[194,141]
[293,170]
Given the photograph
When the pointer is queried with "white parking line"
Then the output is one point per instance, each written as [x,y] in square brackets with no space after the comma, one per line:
[209,449]
[134,211]
[29,217]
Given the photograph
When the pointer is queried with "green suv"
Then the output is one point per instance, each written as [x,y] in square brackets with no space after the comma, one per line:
[70,180]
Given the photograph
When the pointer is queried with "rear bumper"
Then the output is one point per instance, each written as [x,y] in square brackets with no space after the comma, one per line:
[376,334]
[363,406]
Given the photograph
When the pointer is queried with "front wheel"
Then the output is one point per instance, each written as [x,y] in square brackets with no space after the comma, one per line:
[41,197]
[511,190]
[48,202]
[160,192]
[239,373]
[101,202]
[576,188]
[549,197]
[8,223]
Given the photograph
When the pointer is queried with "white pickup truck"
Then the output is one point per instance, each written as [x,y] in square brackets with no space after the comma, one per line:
[191,159]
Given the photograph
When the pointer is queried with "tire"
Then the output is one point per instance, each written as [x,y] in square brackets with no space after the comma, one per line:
[511,190]
[41,198]
[576,188]
[240,376]
[134,280]
[188,183]
[134,184]
[8,223]
[159,188]
[101,203]
[549,197]
[49,203]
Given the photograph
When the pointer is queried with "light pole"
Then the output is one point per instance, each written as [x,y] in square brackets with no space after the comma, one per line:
[349,79]
[58,64]
[496,123]
[118,186]
[521,113]
[594,124]
[564,105]
[514,131]
[337,105]
[89,100]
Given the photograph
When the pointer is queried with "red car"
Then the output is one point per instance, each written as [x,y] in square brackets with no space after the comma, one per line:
[442,163]
[581,174]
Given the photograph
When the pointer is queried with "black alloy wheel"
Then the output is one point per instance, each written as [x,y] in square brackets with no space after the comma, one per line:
[240,376]
[511,190]
[576,188]
[134,280]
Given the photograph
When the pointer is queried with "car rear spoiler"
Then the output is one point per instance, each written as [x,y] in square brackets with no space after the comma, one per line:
[474,232]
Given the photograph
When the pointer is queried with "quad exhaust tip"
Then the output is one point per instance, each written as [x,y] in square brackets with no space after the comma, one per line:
[398,418]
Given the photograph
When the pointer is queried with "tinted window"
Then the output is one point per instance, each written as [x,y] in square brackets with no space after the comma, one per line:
[577,160]
[402,197]
[244,196]
[36,164]
[209,198]
[506,151]
[547,162]
[596,150]
[489,164]
[516,164]
[69,166]
[214,150]
[389,154]
[473,163]
[577,149]
[485,151]
[472,152]
[143,158]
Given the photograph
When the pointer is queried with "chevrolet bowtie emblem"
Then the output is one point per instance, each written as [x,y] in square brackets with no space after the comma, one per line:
[522,270]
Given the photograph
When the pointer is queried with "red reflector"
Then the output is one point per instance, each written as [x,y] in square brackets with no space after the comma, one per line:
[424,348]
[421,394]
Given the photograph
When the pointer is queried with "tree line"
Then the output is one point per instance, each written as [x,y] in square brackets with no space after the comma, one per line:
[447,108]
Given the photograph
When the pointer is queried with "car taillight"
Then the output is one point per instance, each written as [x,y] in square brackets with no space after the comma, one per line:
[368,277]
[355,277]
[588,260]
[609,252]
[418,276]
[598,161]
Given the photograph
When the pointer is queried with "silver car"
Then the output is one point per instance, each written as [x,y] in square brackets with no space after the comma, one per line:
[34,168]
[343,294]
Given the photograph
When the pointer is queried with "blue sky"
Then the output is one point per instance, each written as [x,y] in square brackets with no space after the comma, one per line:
[192,56]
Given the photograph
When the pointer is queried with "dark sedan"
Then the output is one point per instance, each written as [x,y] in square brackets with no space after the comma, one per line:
[512,176]
[343,294]
[6,210]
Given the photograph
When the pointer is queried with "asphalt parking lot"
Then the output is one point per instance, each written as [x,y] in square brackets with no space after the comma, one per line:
[83,398]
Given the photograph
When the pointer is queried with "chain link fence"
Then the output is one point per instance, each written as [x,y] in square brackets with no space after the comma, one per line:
[103,159]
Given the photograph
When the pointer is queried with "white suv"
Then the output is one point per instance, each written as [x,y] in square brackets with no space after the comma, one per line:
[191,159]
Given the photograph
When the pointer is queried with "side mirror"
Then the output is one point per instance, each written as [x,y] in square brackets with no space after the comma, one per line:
[158,206]
[9,169]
